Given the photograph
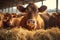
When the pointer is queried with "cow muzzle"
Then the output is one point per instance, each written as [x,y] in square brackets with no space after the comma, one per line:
[31,23]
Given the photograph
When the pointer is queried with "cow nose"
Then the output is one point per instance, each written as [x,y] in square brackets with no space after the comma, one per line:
[31,22]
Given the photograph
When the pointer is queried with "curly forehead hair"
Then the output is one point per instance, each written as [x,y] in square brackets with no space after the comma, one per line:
[32,7]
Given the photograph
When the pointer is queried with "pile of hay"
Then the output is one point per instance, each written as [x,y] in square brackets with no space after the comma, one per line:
[23,34]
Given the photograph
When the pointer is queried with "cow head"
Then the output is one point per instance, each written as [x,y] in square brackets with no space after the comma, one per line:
[30,20]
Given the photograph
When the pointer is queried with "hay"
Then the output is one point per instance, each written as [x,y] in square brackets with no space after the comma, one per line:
[23,34]
[55,33]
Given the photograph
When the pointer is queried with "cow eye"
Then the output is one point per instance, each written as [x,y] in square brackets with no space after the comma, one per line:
[5,17]
[28,22]
[13,16]
[33,21]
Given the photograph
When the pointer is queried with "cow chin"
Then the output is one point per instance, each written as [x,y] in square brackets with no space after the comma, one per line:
[32,27]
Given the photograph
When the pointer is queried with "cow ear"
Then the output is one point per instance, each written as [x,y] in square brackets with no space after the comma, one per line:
[20,8]
[42,8]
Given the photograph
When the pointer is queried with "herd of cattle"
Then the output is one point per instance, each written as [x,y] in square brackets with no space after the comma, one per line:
[32,18]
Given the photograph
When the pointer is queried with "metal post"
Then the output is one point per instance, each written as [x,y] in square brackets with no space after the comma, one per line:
[12,7]
[16,8]
[2,9]
[42,2]
[56,5]
[8,8]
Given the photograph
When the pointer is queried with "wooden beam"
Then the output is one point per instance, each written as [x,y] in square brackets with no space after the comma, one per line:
[6,3]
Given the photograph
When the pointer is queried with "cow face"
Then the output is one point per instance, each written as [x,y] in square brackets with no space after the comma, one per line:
[31,11]
[30,20]
[13,15]
[1,18]
[7,17]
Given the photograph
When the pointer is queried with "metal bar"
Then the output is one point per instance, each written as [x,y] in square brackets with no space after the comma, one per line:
[56,5]
[42,2]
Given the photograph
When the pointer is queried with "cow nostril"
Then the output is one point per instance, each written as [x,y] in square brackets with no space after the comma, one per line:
[13,16]
[5,17]
[33,21]
[28,21]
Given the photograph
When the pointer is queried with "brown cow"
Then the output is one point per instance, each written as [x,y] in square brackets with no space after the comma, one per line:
[6,20]
[31,20]
[49,20]
[15,22]
[13,15]
[1,19]
[9,20]
[57,19]
[52,20]
[45,16]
